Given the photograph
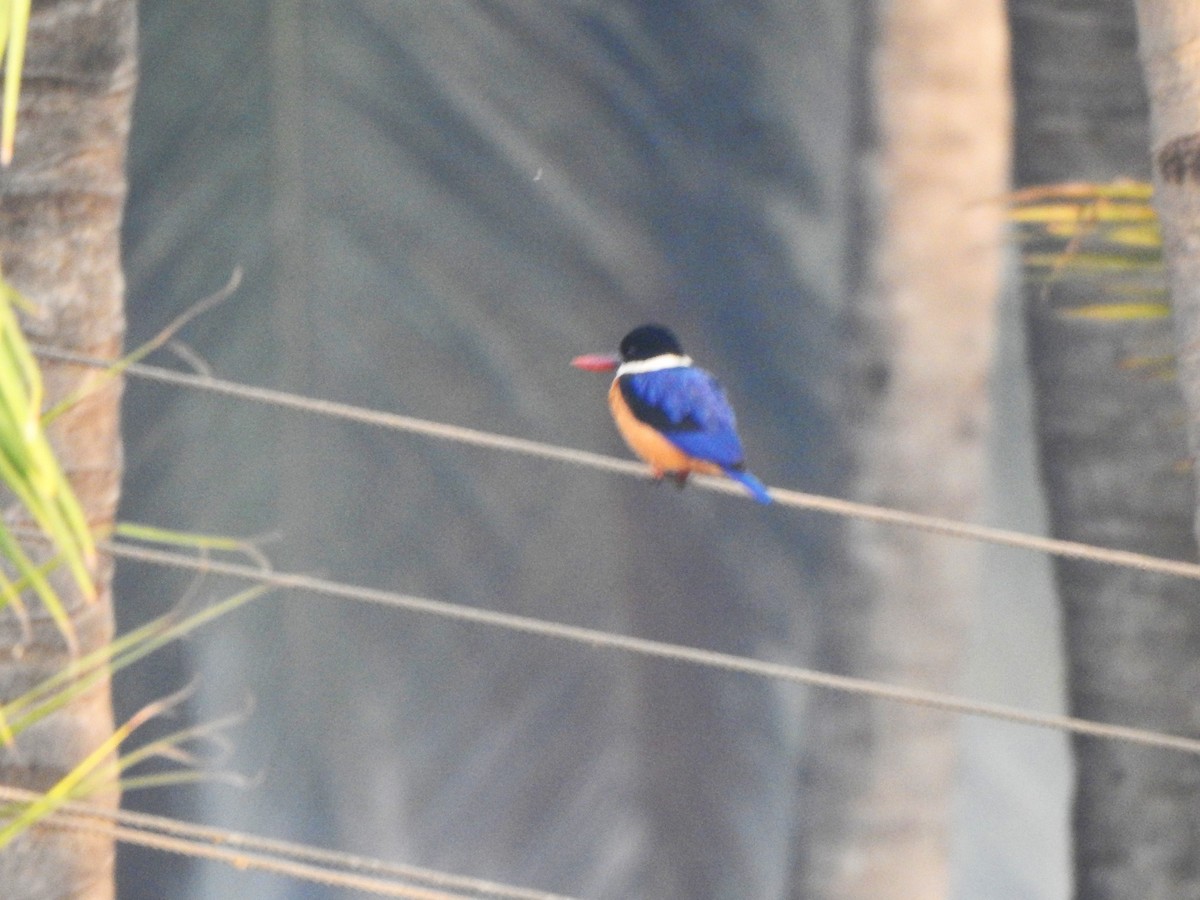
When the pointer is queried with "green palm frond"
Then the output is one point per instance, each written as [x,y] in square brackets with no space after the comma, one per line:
[104,768]
[14,25]
[30,470]
[1103,238]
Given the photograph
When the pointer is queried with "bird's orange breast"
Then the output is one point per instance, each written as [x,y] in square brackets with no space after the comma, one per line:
[662,456]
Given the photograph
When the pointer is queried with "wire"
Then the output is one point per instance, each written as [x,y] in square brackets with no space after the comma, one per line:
[300,861]
[656,649]
[783,497]
[798,499]
[308,862]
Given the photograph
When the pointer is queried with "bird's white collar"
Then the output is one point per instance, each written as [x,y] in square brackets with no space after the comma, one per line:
[653,364]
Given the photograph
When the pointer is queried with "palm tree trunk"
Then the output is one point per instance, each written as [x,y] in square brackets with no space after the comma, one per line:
[60,215]
[1108,450]
[878,787]
[1166,30]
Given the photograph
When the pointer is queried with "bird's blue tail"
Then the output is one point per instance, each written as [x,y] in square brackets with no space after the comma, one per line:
[757,489]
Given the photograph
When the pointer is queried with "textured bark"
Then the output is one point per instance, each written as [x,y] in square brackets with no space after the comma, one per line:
[880,781]
[60,213]
[1164,860]
[1110,450]
[1169,34]
[1080,100]
[1109,446]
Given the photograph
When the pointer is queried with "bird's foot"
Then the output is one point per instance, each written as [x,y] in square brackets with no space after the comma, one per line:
[680,478]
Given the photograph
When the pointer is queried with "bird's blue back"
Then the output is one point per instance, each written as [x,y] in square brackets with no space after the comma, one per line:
[688,406]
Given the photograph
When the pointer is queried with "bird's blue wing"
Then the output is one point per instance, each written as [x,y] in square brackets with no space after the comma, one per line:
[688,406]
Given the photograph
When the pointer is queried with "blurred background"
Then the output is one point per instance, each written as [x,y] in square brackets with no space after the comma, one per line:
[435,206]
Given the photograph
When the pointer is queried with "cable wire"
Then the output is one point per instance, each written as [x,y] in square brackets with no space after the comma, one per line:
[656,649]
[592,637]
[280,857]
[313,864]
[782,496]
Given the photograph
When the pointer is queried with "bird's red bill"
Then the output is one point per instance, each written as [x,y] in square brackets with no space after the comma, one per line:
[596,362]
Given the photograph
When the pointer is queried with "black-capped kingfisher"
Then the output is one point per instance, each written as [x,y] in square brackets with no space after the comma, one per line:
[672,414]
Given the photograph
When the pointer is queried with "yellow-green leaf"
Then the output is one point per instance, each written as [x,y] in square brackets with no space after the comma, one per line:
[15,28]
[1120,312]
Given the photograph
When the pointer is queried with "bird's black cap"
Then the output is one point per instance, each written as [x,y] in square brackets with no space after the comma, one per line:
[647,342]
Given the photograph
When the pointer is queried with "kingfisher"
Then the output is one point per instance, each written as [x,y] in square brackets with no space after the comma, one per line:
[671,413]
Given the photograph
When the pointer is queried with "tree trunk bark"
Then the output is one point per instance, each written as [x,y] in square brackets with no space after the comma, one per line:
[878,786]
[60,214]
[1108,453]
[1168,32]
[1109,457]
